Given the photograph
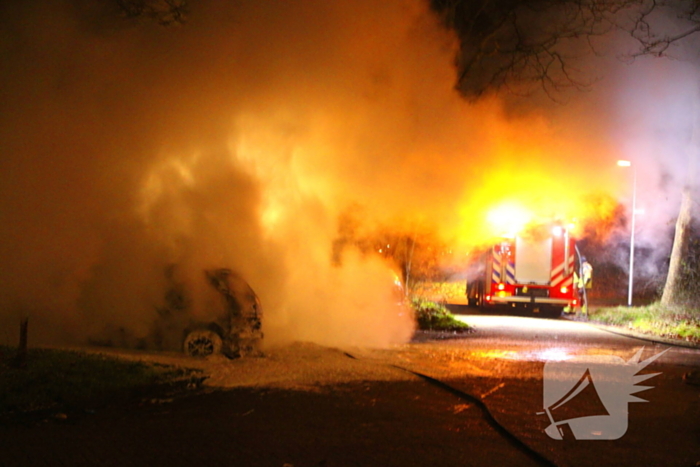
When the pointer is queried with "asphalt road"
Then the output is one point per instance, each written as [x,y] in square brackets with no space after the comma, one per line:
[410,405]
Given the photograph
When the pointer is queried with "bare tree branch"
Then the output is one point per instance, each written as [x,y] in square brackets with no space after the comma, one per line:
[660,24]
[507,43]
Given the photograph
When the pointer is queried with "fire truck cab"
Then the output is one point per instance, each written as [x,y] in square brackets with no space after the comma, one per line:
[533,270]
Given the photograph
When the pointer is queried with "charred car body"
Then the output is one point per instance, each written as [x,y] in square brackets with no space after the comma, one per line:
[226,317]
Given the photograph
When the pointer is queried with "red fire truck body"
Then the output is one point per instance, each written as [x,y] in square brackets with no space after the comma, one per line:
[528,271]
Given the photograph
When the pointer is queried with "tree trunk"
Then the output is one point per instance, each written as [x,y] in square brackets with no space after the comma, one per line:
[673,295]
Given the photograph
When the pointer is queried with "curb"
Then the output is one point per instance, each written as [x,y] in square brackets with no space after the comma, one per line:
[620,331]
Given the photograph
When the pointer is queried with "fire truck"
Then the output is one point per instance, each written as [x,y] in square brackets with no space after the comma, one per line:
[533,270]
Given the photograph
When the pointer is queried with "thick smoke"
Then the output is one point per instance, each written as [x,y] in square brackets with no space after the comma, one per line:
[237,140]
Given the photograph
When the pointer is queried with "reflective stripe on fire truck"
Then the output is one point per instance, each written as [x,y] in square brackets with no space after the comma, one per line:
[510,272]
[496,273]
[559,279]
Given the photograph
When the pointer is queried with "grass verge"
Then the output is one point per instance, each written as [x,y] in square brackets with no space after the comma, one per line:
[55,381]
[653,319]
[432,316]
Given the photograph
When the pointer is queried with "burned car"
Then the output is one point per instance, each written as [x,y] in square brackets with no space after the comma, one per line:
[224,317]
[235,333]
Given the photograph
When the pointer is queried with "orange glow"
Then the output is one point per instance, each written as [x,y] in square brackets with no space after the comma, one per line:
[494,353]
[507,202]
[529,174]
[510,202]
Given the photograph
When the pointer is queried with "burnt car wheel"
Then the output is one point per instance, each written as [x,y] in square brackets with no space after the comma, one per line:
[202,343]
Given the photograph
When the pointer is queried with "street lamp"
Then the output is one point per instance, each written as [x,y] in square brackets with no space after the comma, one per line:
[623,163]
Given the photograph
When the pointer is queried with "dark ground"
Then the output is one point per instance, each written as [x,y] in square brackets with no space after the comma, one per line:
[364,423]
[358,424]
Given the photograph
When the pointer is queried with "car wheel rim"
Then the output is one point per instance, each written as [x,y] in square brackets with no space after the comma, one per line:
[201,347]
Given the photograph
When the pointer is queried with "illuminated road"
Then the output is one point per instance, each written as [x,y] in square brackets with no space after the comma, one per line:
[518,347]
[535,339]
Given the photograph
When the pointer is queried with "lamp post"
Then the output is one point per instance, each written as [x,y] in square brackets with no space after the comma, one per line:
[623,163]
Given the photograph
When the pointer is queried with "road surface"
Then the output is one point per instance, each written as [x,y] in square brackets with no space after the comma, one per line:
[410,405]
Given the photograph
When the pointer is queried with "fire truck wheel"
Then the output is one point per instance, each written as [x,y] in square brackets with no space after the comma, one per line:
[202,343]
